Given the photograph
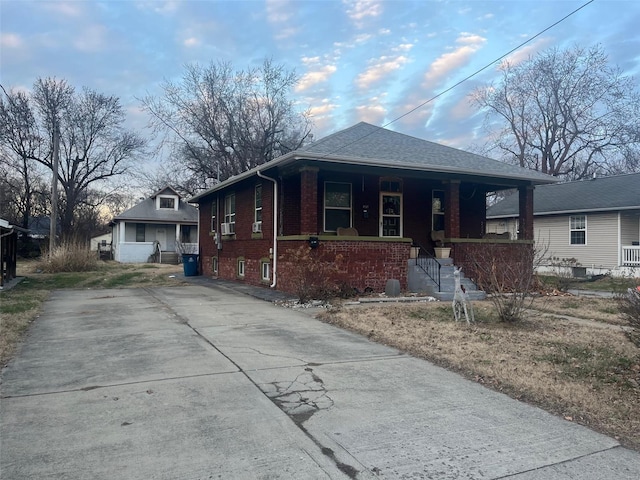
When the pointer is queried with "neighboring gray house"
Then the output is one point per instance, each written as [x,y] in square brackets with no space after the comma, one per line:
[155,228]
[595,221]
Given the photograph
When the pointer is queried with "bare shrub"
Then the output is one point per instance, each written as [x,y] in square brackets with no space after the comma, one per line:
[315,275]
[69,257]
[629,304]
[508,278]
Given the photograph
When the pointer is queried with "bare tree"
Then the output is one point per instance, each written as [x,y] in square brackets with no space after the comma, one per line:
[94,145]
[564,112]
[21,142]
[221,122]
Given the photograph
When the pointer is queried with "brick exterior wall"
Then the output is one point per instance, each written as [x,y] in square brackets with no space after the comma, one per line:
[362,264]
[366,263]
[511,260]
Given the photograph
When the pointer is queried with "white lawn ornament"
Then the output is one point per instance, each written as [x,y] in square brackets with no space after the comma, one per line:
[461,301]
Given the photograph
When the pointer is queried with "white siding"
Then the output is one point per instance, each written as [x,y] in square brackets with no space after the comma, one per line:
[601,250]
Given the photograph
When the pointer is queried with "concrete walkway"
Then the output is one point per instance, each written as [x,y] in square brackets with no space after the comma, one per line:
[203,382]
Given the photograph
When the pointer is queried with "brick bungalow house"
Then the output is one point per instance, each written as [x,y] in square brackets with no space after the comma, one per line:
[372,197]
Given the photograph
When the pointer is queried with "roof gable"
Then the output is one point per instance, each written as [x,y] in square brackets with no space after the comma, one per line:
[620,192]
[147,211]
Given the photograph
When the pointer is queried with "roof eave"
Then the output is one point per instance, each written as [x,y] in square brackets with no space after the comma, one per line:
[538,179]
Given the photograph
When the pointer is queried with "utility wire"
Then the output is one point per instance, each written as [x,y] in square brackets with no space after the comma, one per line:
[464,79]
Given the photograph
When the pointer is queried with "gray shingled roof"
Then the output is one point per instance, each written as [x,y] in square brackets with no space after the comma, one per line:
[369,145]
[620,192]
[146,211]
[386,147]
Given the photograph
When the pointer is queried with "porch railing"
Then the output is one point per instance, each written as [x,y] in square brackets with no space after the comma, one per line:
[428,264]
[631,256]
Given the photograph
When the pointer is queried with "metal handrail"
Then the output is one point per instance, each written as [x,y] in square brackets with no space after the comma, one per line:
[428,263]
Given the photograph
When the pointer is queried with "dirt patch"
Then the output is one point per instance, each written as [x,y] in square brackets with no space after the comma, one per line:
[583,373]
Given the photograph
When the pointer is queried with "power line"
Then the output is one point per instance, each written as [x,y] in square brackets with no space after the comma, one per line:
[464,79]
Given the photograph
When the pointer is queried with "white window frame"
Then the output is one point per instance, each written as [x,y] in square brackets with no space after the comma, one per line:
[257,214]
[214,265]
[229,214]
[241,267]
[573,228]
[325,207]
[173,198]
[265,271]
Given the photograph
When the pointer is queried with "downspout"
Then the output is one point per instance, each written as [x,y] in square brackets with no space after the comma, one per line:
[275,224]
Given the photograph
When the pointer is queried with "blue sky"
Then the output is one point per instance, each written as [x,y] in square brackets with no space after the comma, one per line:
[357,60]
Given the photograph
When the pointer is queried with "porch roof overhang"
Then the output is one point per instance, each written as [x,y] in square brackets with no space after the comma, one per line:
[494,180]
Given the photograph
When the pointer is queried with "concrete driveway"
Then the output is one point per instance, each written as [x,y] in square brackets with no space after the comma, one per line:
[204,383]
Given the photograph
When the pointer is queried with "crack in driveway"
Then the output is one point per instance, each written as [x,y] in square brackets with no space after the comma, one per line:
[301,397]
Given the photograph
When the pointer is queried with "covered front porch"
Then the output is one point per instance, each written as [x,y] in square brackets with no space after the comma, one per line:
[136,242]
[381,224]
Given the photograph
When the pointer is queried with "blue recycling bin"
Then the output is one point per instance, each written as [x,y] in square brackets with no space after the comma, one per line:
[190,264]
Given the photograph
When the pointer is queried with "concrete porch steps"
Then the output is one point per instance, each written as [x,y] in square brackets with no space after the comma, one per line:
[419,282]
[170,258]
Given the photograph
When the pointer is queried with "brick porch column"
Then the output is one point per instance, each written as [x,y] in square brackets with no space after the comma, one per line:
[525,213]
[452,209]
[308,201]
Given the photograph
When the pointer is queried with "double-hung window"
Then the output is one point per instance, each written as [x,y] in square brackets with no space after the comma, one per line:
[578,229]
[230,211]
[258,204]
[337,206]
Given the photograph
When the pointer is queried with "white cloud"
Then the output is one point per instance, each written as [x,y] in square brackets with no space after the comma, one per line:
[360,10]
[66,9]
[379,68]
[372,113]
[280,14]
[527,51]
[278,11]
[92,38]
[191,42]
[316,74]
[453,60]
[10,40]
[167,7]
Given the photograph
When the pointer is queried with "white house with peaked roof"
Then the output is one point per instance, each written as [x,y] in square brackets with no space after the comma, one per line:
[155,229]
[594,221]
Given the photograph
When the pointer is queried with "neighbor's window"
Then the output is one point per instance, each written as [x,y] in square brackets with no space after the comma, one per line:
[230,211]
[166,202]
[337,206]
[258,204]
[578,229]
[140,232]
[241,267]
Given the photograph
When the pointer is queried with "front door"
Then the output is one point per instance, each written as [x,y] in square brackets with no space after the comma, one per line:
[391,215]
[161,236]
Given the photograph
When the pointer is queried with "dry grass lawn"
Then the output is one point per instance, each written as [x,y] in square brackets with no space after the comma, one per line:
[587,372]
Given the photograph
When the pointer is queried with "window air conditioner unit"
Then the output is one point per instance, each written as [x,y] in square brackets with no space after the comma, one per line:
[256,227]
[225,229]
